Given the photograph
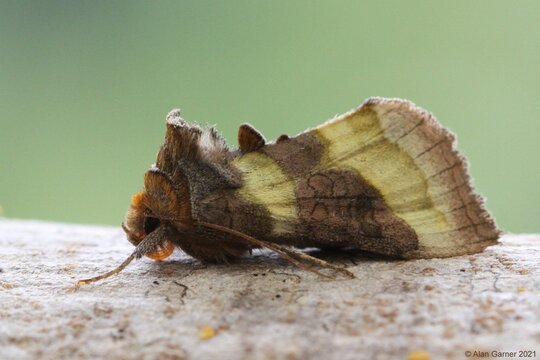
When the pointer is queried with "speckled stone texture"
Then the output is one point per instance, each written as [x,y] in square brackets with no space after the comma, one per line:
[259,308]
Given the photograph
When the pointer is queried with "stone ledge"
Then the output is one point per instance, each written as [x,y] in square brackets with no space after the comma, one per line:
[261,307]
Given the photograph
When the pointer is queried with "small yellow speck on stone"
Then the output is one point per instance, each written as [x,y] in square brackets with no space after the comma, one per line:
[418,355]
[207,332]
[520,288]
[7,285]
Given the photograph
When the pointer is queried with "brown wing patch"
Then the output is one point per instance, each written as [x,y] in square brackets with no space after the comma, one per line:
[249,139]
[297,156]
[338,208]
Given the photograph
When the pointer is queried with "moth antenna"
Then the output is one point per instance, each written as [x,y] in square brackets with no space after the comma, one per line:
[110,273]
[287,253]
[149,244]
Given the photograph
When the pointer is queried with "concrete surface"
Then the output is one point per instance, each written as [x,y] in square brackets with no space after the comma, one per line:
[261,307]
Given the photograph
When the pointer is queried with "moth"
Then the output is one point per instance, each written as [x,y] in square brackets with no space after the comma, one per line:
[384,178]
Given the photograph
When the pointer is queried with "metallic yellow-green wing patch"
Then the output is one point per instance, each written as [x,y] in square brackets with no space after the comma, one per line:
[266,184]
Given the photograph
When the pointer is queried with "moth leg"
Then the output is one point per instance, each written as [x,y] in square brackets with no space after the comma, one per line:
[316,261]
[153,242]
[287,253]
[249,139]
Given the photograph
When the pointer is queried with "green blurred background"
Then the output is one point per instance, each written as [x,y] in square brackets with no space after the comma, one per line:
[85,87]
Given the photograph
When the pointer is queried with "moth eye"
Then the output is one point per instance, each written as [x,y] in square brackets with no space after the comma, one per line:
[150,224]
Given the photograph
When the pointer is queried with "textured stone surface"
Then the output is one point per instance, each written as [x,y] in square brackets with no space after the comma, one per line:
[261,307]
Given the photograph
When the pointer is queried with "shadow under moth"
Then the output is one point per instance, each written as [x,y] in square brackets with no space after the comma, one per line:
[384,178]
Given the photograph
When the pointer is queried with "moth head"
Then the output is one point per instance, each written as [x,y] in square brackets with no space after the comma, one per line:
[159,210]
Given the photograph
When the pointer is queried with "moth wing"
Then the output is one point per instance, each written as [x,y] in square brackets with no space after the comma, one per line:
[265,183]
[412,161]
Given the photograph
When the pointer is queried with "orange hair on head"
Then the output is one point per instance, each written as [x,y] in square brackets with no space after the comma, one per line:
[137,200]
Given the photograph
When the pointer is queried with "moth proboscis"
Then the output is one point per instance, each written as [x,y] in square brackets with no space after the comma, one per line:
[384,178]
